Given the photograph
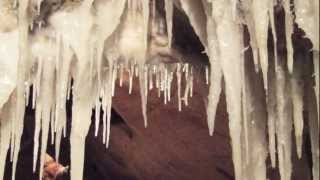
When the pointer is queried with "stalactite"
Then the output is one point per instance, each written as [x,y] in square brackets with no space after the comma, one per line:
[261,24]
[254,123]
[169,19]
[21,71]
[46,103]
[64,57]
[179,85]
[297,102]
[284,122]
[289,31]
[317,79]
[228,33]
[271,98]
[215,74]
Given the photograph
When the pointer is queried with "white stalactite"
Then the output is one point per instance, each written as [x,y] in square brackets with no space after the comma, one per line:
[229,40]
[215,74]
[297,102]
[289,31]
[21,78]
[271,98]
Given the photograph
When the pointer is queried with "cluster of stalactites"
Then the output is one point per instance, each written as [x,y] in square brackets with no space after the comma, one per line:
[283,86]
[82,46]
[67,57]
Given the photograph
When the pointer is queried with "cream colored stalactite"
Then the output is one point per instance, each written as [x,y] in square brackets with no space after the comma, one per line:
[250,22]
[143,80]
[253,126]
[178,75]
[261,23]
[107,99]
[272,117]
[64,57]
[215,74]
[229,38]
[81,109]
[316,75]
[169,18]
[284,122]
[271,98]
[297,94]
[46,100]
[21,78]
[289,31]
[38,112]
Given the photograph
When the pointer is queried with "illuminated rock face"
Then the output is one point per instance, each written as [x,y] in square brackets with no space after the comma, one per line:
[85,47]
